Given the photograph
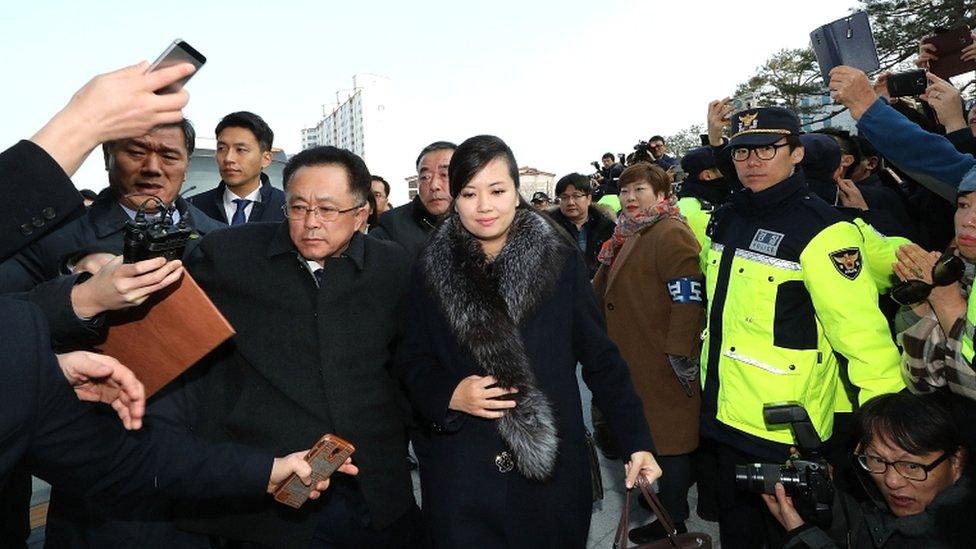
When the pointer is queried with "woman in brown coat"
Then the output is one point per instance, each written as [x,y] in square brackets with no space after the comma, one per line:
[652,295]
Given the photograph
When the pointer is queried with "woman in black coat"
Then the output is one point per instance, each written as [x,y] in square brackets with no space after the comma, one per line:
[500,311]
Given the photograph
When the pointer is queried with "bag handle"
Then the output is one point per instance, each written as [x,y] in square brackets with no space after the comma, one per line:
[620,540]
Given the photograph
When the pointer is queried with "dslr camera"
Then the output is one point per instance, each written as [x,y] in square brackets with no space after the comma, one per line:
[157,237]
[804,477]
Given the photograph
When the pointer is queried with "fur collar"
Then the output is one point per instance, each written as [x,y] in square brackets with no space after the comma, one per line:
[484,304]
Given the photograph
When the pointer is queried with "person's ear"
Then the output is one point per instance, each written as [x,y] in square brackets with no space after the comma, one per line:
[797,155]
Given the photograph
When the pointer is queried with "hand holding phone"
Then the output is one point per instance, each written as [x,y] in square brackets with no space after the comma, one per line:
[178,52]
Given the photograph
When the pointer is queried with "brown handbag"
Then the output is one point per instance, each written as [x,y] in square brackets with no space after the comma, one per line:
[690,540]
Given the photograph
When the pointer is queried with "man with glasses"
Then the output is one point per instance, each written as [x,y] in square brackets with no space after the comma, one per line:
[314,304]
[787,293]
[584,222]
[409,225]
[659,150]
[911,459]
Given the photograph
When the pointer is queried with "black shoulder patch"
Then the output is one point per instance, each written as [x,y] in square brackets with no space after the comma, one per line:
[847,261]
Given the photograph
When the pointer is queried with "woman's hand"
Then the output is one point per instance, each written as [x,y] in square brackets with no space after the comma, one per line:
[914,263]
[781,506]
[475,395]
[641,463]
[969,52]
[944,98]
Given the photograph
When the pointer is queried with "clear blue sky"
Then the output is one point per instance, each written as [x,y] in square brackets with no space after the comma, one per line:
[561,82]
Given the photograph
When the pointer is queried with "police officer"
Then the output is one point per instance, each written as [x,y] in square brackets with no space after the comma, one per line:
[702,190]
[787,288]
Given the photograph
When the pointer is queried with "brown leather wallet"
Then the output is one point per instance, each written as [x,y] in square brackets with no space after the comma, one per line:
[325,457]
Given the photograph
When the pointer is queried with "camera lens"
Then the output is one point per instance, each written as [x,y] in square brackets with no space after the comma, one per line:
[760,478]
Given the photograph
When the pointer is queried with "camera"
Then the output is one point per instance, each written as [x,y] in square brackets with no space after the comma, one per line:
[158,237]
[804,477]
[642,147]
[947,270]
[905,84]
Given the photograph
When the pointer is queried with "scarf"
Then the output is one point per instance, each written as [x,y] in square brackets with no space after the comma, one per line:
[628,226]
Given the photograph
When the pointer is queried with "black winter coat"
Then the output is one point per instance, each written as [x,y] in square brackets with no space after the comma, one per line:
[408,225]
[551,323]
[305,361]
[600,229]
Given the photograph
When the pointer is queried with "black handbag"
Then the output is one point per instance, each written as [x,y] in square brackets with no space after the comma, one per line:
[690,540]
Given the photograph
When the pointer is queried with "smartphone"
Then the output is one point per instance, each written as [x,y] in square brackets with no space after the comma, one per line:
[949,44]
[909,83]
[327,455]
[178,52]
[744,103]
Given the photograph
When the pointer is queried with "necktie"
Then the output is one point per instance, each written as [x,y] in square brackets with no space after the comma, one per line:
[319,276]
[240,217]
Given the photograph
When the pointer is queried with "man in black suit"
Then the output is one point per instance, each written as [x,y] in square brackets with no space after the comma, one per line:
[409,225]
[245,193]
[314,303]
[141,171]
[35,175]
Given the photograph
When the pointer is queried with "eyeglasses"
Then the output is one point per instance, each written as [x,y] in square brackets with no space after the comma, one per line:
[766,152]
[908,469]
[571,196]
[324,213]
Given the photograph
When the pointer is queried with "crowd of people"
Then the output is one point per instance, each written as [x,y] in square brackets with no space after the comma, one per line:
[807,268]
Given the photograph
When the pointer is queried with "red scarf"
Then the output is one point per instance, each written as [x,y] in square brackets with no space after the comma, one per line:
[628,226]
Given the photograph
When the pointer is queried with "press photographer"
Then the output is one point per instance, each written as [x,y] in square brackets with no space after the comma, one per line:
[607,176]
[911,461]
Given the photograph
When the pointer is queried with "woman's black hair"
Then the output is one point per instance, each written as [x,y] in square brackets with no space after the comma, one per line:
[473,155]
[919,424]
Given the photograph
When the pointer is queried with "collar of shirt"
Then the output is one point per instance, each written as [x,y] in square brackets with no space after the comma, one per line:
[230,197]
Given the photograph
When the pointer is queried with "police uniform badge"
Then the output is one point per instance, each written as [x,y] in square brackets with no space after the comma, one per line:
[748,121]
[847,262]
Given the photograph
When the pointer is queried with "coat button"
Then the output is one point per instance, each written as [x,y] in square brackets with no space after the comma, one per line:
[610,306]
[48,213]
[504,462]
[37,222]
[26,229]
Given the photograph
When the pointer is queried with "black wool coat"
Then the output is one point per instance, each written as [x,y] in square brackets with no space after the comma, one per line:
[408,225]
[467,500]
[305,361]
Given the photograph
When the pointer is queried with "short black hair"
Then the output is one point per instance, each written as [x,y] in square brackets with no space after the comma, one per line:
[435,146]
[386,186]
[793,140]
[656,138]
[359,178]
[579,181]
[88,194]
[250,121]
[473,155]
[608,155]
[919,424]
[184,125]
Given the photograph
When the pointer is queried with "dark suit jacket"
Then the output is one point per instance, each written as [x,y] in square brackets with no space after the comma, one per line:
[408,225]
[83,449]
[305,361]
[37,196]
[101,229]
[268,209]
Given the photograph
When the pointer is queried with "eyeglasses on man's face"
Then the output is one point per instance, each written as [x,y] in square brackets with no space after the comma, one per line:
[571,196]
[765,152]
[908,469]
[324,213]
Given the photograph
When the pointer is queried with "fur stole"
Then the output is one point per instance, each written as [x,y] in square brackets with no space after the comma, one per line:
[484,304]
